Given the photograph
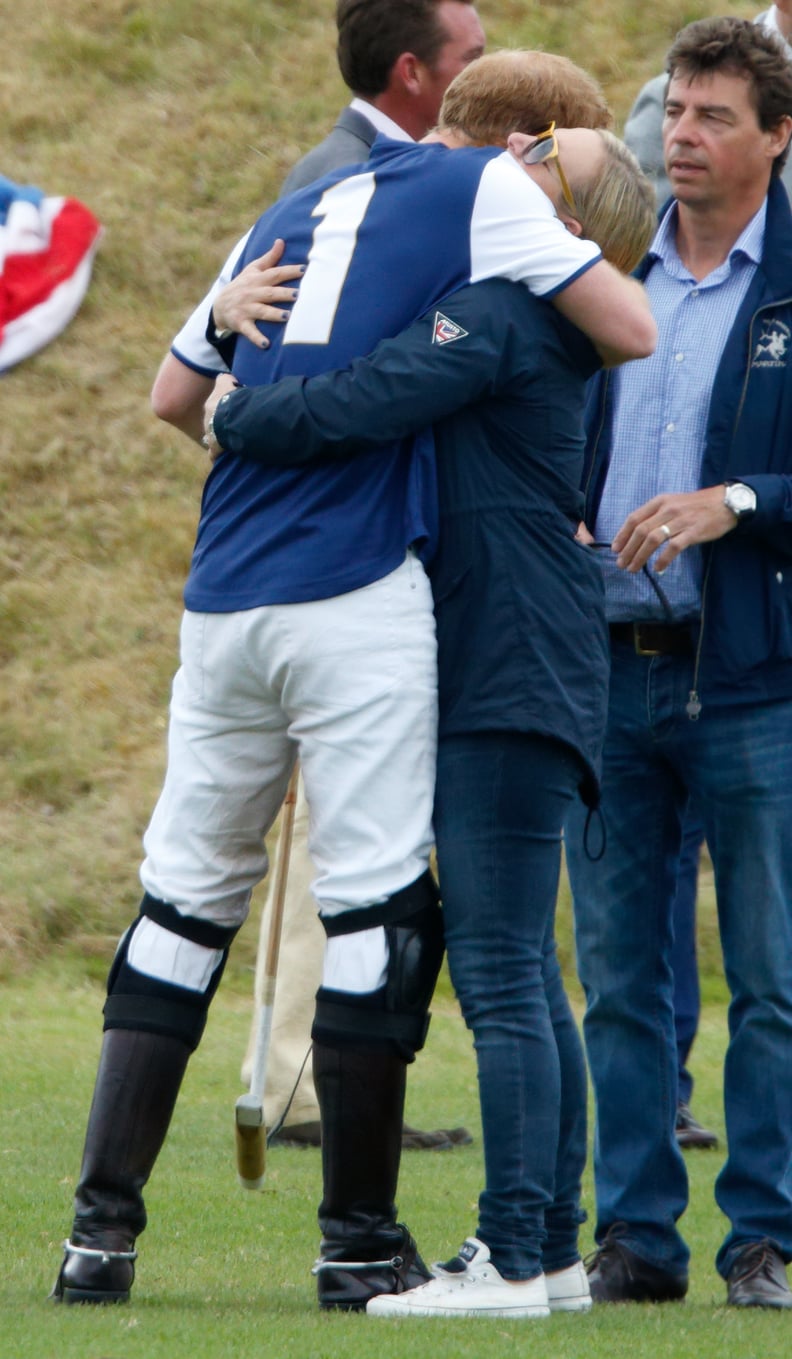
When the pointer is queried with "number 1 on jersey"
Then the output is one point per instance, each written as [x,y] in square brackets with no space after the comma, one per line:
[342,210]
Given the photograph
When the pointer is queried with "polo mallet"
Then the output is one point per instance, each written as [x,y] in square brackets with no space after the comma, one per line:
[251,1134]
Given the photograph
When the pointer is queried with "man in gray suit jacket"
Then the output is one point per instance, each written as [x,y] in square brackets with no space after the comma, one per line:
[643,131]
[397,59]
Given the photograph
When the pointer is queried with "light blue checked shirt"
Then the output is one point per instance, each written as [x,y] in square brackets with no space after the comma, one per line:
[660,412]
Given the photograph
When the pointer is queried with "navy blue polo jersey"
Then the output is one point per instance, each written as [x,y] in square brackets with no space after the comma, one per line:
[382,245]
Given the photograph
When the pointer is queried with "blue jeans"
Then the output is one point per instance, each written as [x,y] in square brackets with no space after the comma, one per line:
[501,802]
[736,765]
[684,963]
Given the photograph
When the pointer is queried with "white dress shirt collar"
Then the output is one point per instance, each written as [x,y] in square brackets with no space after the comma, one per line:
[381,121]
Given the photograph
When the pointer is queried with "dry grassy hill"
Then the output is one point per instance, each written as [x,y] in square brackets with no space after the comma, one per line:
[175,121]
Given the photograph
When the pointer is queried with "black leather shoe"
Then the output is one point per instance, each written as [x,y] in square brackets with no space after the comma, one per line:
[617,1274]
[689,1132]
[758,1278]
[413,1139]
[443,1139]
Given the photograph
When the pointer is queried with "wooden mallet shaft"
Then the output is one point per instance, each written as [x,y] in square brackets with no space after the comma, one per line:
[251,1133]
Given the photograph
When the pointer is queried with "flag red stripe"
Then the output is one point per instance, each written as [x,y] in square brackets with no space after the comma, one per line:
[29,279]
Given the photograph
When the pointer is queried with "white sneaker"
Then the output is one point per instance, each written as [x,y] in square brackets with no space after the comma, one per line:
[568,1290]
[475,1288]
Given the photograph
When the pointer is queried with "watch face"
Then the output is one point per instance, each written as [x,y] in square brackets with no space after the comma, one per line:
[741,499]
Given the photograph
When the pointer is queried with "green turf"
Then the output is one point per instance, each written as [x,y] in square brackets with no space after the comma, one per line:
[223,1273]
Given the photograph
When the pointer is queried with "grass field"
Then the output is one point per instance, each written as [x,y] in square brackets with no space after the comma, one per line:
[224,1275]
[175,122]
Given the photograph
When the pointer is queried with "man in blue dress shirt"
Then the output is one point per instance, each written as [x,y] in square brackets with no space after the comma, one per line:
[690,477]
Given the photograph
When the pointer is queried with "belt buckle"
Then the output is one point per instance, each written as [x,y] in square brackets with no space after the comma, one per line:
[641,650]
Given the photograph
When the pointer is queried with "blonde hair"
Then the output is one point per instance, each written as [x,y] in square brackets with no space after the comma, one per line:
[521,91]
[617,208]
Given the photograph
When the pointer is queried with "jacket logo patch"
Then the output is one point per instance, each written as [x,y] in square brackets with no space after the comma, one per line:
[445,331]
[772,345]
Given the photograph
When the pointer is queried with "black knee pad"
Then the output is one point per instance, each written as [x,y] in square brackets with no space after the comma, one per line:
[396,1016]
[149,1005]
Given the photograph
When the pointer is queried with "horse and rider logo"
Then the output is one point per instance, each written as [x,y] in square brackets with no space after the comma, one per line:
[772,345]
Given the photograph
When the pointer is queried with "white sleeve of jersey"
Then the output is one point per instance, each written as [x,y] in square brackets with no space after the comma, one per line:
[191,344]
[515,233]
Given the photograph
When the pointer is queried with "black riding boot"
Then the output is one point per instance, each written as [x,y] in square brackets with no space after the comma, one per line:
[364,1250]
[137,1083]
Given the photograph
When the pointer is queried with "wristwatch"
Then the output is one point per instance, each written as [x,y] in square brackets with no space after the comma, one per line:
[739,498]
[210,437]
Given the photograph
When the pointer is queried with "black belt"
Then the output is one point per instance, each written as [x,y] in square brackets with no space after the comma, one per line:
[655,639]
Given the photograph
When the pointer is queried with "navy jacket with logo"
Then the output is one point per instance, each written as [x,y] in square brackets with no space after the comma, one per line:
[745,638]
[522,642]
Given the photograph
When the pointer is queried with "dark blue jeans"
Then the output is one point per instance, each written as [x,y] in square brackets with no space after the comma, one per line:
[501,802]
[684,962]
[736,765]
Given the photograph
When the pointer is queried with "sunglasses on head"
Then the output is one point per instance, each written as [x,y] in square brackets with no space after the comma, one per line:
[546,148]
